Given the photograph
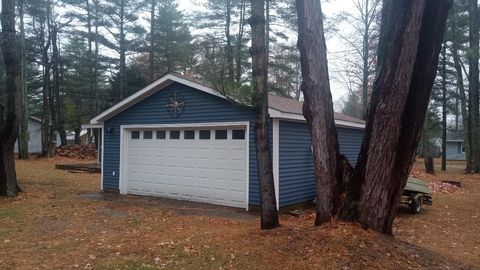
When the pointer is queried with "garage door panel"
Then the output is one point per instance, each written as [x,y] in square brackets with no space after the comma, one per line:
[209,171]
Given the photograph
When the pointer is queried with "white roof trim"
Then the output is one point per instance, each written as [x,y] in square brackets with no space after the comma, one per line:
[170,78]
[91,126]
[35,118]
[147,91]
[299,117]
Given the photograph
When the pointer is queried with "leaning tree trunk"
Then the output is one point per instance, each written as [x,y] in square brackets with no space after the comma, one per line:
[318,108]
[268,208]
[10,127]
[410,43]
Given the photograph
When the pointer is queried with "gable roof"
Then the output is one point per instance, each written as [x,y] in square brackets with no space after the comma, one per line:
[279,107]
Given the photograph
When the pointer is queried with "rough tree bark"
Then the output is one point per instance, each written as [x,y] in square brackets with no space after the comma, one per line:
[268,208]
[10,126]
[318,108]
[23,135]
[410,43]
[473,82]
[444,108]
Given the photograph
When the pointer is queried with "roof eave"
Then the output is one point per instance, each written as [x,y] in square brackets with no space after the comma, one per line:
[147,91]
[274,113]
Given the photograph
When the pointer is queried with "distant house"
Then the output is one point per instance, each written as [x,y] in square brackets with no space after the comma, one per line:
[455,146]
[35,136]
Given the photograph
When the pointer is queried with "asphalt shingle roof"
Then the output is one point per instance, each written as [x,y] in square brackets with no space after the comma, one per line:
[290,105]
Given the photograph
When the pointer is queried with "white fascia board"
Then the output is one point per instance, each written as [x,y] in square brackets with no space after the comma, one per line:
[87,126]
[188,125]
[276,158]
[298,117]
[149,90]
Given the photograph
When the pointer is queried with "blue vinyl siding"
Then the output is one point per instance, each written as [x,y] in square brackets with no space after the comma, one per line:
[296,172]
[350,140]
[200,107]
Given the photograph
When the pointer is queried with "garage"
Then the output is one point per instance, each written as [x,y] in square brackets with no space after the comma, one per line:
[205,164]
[180,138]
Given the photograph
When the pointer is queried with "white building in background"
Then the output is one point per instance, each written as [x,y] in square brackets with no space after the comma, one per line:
[35,136]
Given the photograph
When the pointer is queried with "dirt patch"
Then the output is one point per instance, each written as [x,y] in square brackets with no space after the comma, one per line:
[63,222]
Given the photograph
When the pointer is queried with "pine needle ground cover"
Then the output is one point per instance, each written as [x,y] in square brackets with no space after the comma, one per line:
[61,222]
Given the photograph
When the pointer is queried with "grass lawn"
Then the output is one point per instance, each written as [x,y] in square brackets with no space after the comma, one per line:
[61,222]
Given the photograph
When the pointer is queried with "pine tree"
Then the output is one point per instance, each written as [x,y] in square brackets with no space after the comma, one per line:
[121,21]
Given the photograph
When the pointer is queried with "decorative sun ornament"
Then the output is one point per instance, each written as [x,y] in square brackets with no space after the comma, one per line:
[175,105]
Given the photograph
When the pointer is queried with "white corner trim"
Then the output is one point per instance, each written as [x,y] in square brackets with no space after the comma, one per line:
[102,148]
[276,158]
[247,139]
[149,90]
[87,126]
[122,181]
[299,117]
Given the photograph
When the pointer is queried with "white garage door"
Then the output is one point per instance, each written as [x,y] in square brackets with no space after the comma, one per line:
[200,164]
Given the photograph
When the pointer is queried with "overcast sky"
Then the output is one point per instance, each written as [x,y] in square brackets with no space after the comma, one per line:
[334,45]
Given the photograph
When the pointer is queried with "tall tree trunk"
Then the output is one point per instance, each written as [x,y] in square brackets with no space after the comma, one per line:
[46,117]
[463,102]
[91,64]
[95,69]
[10,126]
[267,30]
[318,108]
[365,56]
[238,61]
[58,102]
[410,43]
[473,97]
[151,72]
[269,215]
[23,135]
[229,48]
[122,46]
[444,108]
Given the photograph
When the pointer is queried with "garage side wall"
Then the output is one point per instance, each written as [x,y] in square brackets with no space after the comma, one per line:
[297,178]
[200,107]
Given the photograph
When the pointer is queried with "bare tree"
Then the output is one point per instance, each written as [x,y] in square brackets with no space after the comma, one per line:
[361,47]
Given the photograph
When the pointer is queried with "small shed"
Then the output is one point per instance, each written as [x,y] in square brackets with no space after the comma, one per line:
[35,136]
[455,146]
[179,138]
